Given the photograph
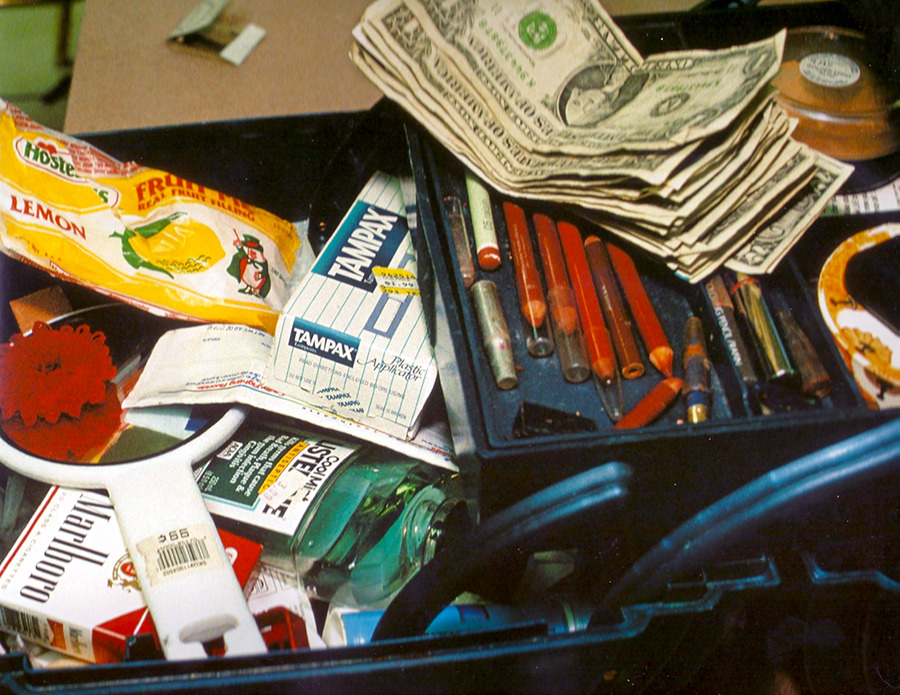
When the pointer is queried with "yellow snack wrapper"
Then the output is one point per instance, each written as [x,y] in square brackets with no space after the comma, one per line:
[141,235]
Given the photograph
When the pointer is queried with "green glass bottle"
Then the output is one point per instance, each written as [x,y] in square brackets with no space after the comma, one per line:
[377,523]
[355,521]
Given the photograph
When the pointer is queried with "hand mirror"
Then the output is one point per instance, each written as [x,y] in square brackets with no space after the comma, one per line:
[60,389]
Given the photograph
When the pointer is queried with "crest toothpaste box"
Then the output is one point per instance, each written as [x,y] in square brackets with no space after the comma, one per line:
[353,336]
[68,583]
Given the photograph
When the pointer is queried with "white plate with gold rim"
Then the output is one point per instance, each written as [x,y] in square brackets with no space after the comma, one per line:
[870,348]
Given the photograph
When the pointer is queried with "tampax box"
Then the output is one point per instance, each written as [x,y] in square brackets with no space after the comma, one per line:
[68,582]
[353,336]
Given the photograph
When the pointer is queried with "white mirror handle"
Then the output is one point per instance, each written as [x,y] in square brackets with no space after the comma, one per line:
[186,578]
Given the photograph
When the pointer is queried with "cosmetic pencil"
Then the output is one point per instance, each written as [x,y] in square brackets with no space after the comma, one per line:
[724,312]
[695,364]
[620,328]
[494,333]
[559,292]
[751,304]
[596,335]
[658,348]
[528,282]
[814,379]
[486,246]
[652,405]
[567,335]
[459,233]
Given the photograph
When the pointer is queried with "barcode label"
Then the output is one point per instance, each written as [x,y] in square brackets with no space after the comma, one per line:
[182,550]
[182,554]
[25,624]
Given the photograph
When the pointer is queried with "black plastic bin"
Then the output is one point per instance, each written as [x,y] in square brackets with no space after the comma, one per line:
[768,560]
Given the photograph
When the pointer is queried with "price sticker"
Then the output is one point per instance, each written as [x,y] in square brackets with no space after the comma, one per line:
[187,549]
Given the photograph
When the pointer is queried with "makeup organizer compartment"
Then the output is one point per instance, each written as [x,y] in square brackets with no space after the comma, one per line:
[514,441]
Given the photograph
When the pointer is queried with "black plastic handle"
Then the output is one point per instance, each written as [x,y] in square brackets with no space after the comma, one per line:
[782,492]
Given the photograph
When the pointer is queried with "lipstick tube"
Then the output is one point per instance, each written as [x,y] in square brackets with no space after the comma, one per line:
[771,351]
[494,333]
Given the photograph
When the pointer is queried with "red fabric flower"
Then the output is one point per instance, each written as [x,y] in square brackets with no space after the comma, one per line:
[76,440]
[53,371]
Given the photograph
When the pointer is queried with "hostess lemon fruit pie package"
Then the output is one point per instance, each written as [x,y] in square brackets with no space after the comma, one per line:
[139,234]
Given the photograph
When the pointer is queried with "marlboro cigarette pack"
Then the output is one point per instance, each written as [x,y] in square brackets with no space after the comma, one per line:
[68,582]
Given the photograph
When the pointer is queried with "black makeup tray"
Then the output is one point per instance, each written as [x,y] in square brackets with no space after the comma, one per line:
[513,442]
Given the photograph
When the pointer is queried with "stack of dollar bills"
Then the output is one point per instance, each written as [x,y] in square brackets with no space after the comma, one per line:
[685,155]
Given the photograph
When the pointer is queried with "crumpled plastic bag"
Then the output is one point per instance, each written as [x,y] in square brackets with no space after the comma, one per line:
[141,235]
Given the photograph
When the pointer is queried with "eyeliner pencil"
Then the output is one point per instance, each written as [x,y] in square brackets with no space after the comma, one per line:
[596,335]
[658,347]
[696,367]
[528,282]
[620,328]
[603,360]
[724,312]
[652,405]
[559,292]
[485,233]
[563,310]
[460,240]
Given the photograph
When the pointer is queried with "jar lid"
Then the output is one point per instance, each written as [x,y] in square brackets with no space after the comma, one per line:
[845,108]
